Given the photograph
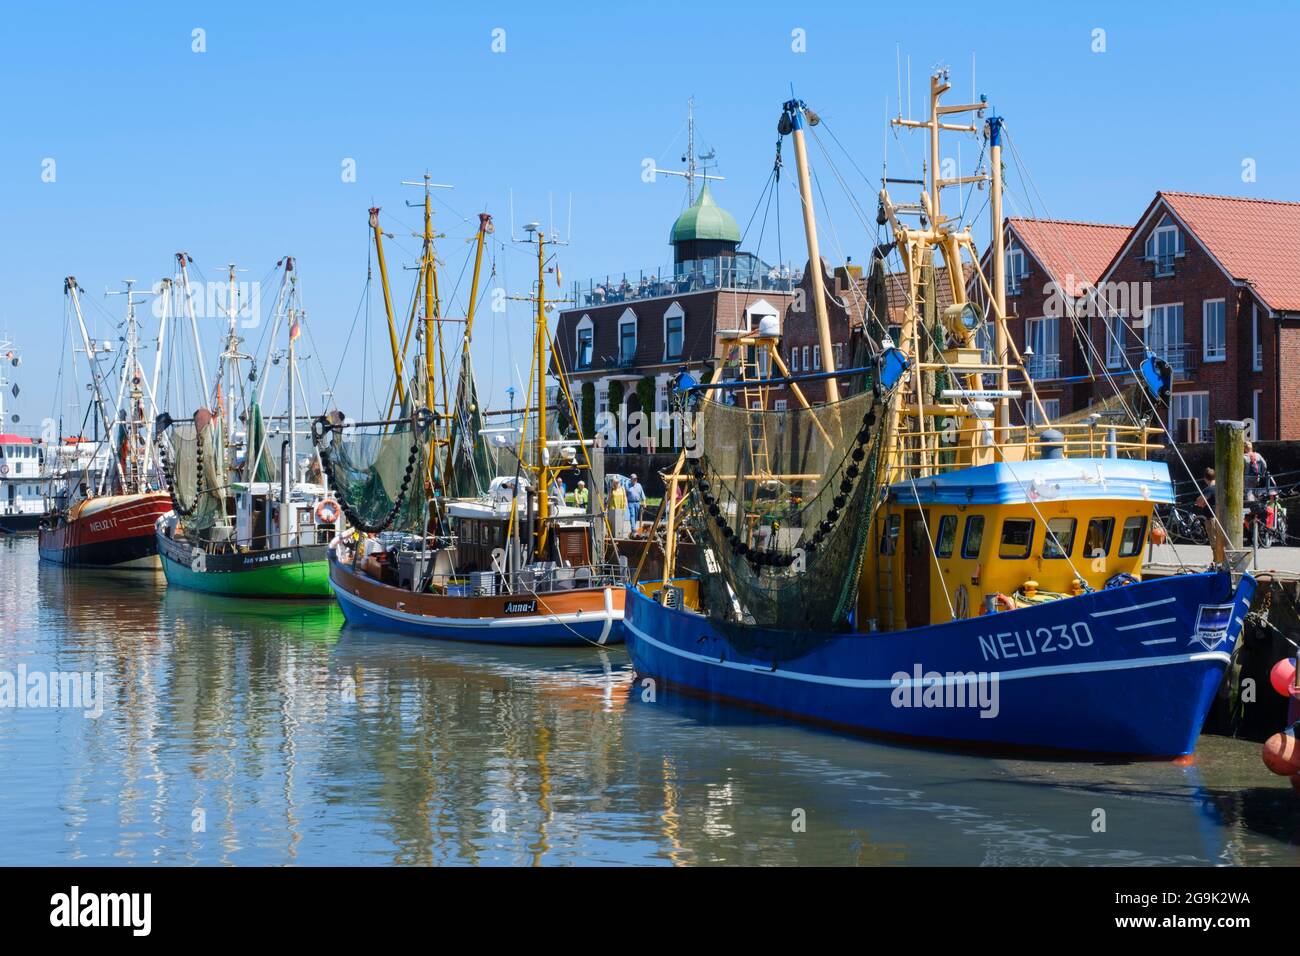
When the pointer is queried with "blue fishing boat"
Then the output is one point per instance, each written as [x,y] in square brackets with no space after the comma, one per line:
[902,559]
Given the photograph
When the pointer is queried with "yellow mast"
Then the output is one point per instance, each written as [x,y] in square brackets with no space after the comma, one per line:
[539,347]
[484,227]
[388,302]
[796,111]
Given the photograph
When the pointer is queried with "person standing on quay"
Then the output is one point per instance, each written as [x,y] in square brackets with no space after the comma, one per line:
[635,499]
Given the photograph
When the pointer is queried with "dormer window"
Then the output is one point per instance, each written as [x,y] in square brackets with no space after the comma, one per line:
[586,341]
[1164,245]
[627,338]
[674,332]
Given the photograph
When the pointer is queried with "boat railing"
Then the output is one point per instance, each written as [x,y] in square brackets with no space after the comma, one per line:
[924,452]
[546,578]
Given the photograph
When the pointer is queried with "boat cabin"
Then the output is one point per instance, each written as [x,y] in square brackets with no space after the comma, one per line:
[1004,535]
[24,484]
[258,516]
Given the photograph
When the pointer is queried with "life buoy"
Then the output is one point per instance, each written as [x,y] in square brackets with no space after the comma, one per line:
[1003,601]
[327,511]
[4,469]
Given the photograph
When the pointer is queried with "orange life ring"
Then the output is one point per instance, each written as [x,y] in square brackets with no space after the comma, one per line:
[327,511]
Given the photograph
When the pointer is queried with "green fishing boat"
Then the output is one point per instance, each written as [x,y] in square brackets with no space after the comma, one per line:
[251,524]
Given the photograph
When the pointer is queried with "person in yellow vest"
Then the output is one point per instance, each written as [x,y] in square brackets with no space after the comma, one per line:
[580,496]
[618,519]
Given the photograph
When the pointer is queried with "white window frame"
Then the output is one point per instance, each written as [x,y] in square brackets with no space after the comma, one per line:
[1047,363]
[1256,343]
[817,358]
[794,358]
[1164,262]
[1255,402]
[779,405]
[837,349]
[1178,406]
[1017,268]
[806,359]
[1217,353]
[627,318]
[674,311]
[1116,330]
[1051,407]
[1173,352]
[584,325]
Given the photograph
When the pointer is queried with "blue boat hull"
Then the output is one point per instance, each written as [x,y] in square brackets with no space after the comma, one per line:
[1128,670]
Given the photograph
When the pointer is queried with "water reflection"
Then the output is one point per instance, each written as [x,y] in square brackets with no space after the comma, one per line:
[244,732]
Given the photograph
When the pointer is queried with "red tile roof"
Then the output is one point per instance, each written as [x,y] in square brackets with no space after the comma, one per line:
[1255,240]
[1074,253]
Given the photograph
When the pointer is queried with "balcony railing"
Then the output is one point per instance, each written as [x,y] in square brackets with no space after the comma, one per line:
[1043,367]
[741,272]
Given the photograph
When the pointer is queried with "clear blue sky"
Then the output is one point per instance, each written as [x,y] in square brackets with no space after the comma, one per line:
[235,153]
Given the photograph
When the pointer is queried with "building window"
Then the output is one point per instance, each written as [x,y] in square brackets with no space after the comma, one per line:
[1116,327]
[586,340]
[627,338]
[806,366]
[1017,269]
[674,331]
[1256,431]
[1214,324]
[838,351]
[1051,408]
[1193,406]
[1257,344]
[1164,245]
[779,405]
[1164,334]
[1042,338]
[794,358]
[817,358]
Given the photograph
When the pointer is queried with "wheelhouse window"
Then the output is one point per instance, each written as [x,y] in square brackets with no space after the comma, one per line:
[947,536]
[1017,536]
[1059,541]
[1131,538]
[973,538]
[1097,542]
[889,535]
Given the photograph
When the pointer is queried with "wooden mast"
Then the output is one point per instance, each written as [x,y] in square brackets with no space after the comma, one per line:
[795,110]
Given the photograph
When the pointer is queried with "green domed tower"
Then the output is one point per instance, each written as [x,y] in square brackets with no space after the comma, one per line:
[704,231]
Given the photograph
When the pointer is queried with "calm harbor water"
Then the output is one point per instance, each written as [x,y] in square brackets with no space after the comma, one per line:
[240,732]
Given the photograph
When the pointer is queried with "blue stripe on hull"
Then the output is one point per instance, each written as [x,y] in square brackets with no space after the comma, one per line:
[1118,671]
[567,634]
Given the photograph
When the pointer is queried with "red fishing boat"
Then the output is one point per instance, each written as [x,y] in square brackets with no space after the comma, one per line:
[104,512]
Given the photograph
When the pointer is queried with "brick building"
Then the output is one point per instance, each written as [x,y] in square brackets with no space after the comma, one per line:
[1221,303]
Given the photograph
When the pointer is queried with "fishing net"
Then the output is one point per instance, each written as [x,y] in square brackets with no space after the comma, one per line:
[471,470]
[192,453]
[262,458]
[784,500]
[375,471]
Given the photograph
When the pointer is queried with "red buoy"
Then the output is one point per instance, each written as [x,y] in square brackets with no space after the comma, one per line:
[1282,676]
[1281,754]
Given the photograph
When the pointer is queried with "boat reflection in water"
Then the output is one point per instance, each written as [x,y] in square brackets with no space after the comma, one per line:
[260,733]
